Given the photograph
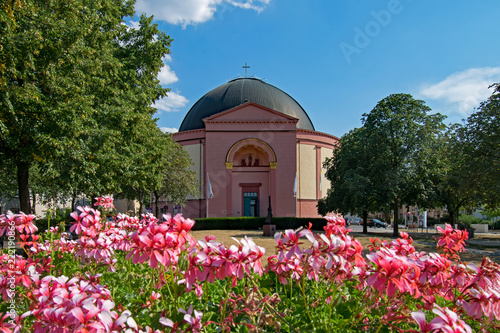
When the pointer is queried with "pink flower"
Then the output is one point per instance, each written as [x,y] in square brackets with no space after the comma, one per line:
[449,321]
[422,323]
[114,323]
[335,225]
[212,260]
[403,245]
[452,241]
[5,326]
[7,223]
[179,223]
[15,224]
[481,296]
[75,305]
[87,223]
[393,272]
[169,323]
[129,223]
[105,202]
[24,223]
[290,241]
[193,322]
[435,270]
[333,255]
[161,243]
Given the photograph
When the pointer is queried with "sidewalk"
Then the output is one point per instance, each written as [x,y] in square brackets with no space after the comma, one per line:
[485,240]
[492,237]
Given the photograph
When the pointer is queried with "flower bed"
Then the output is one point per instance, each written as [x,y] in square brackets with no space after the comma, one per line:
[143,275]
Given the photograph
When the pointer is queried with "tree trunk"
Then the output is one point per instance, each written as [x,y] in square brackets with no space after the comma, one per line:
[453,216]
[157,197]
[23,187]
[365,222]
[396,222]
[33,195]
[73,201]
[141,199]
[93,200]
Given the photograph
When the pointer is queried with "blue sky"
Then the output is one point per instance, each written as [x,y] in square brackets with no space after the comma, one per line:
[336,58]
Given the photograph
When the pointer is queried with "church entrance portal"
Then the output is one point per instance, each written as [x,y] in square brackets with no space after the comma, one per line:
[249,164]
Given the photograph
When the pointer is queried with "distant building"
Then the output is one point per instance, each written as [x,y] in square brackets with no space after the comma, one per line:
[249,142]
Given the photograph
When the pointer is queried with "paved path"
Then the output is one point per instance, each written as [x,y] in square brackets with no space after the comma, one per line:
[489,240]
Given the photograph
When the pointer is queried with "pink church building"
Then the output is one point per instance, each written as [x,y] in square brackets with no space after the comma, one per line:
[250,142]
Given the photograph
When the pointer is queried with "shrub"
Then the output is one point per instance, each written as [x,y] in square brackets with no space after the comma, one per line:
[59,215]
[283,223]
[470,219]
[431,221]
[255,223]
[495,225]
[229,223]
[445,219]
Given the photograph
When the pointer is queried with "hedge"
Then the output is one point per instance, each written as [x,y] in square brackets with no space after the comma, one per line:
[223,223]
[255,223]
[42,224]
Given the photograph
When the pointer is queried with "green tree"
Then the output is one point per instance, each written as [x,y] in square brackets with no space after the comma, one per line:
[402,139]
[456,186]
[116,137]
[472,157]
[348,171]
[161,166]
[74,83]
[8,184]
[178,180]
[48,66]
[148,162]
[480,142]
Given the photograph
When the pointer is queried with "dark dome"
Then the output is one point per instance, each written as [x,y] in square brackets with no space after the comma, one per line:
[239,91]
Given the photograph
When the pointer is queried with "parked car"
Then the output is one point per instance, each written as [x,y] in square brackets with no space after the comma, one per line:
[355,221]
[379,224]
[376,223]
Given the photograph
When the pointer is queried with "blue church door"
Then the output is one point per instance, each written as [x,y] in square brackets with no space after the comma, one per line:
[250,204]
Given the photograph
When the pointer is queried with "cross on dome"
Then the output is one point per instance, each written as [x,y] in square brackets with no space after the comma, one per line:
[245,67]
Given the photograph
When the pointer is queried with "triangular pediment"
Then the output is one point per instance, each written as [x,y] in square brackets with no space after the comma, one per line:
[250,112]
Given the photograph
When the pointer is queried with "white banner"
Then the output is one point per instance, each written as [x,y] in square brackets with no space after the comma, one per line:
[210,194]
[422,219]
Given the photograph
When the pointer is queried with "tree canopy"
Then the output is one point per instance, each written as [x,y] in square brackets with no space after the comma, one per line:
[480,140]
[76,89]
[348,172]
[402,156]
[472,157]
[394,160]
[163,168]
[456,186]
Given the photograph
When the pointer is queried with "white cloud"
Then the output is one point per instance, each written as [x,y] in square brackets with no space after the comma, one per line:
[167,75]
[172,103]
[134,25]
[185,12]
[255,5]
[167,58]
[169,130]
[461,92]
